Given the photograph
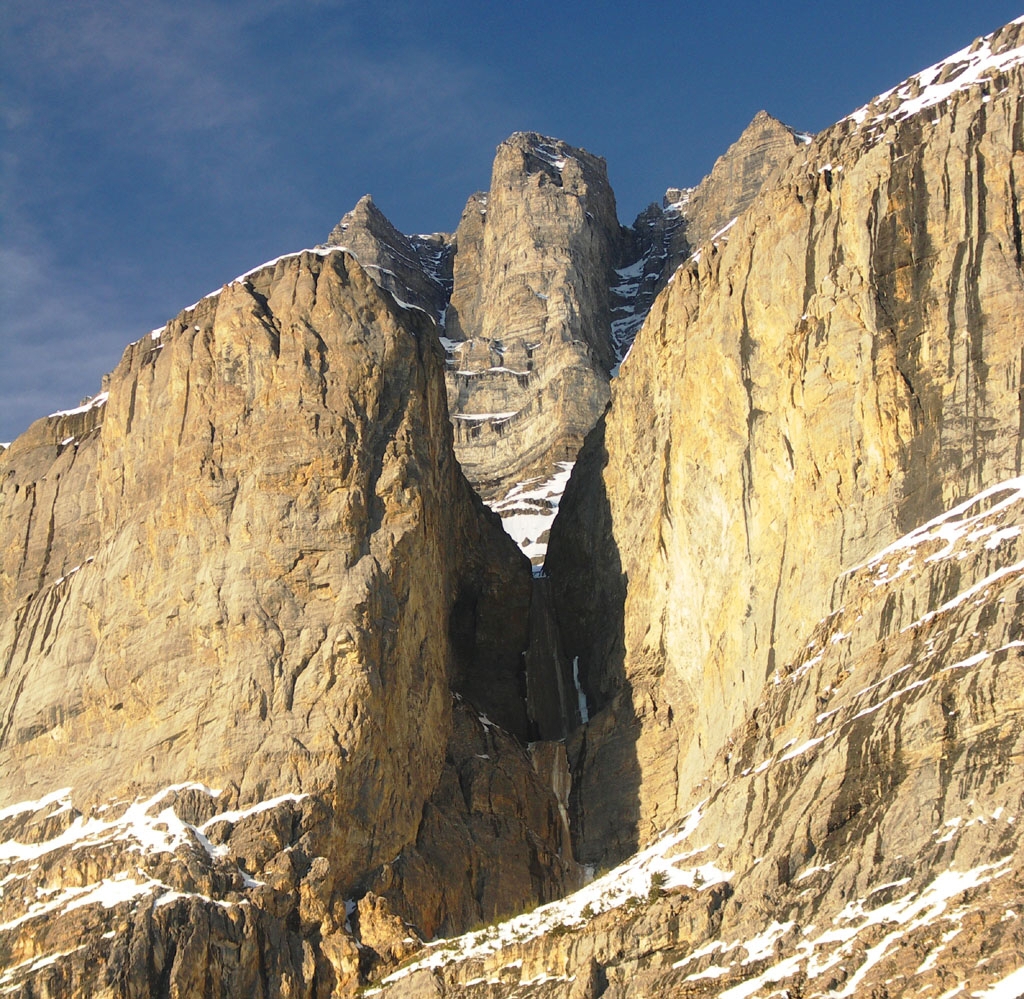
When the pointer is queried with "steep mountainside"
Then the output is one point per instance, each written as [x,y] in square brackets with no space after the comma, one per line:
[835,369]
[665,235]
[274,580]
[281,705]
[527,327]
[526,292]
[857,835]
[416,270]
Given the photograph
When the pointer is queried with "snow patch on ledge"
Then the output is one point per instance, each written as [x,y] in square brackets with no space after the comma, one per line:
[529,508]
[94,403]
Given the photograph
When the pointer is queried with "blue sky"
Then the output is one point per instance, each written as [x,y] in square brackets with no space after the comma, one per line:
[152,150]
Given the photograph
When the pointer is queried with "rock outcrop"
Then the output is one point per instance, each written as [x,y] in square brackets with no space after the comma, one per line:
[527,329]
[416,270]
[239,591]
[664,236]
[836,368]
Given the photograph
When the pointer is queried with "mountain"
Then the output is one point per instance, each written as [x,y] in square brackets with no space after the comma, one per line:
[283,709]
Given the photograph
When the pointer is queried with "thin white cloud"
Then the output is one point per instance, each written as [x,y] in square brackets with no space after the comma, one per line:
[156,62]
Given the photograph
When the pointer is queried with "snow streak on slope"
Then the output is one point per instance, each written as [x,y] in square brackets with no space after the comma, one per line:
[983,59]
[664,865]
[144,829]
[634,290]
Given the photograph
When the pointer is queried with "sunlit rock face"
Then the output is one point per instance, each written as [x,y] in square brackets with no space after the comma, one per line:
[830,372]
[858,834]
[279,701]
[665,235]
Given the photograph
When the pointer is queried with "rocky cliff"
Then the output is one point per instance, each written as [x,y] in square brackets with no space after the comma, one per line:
[527,329]
[664,236]
[830,372]
[539,293]
[856,835]
[270,670]
[416,270]
[240,590]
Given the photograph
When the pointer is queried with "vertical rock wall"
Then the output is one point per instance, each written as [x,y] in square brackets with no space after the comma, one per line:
[840,365]
[527,328]
[246,583]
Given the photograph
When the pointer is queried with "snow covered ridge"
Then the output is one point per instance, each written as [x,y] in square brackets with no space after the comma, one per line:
[163,832]
[143,828]
[817,953]
[984,58]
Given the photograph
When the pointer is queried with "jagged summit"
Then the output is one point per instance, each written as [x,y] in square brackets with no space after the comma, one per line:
[551,154]
[664,236]
[415,269]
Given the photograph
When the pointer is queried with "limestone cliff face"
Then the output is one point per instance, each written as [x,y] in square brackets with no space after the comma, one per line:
[831,371]
[527,328]
[245,582]
[269,669]
[749,166]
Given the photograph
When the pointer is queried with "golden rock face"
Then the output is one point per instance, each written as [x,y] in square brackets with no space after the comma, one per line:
[840,365]
[272,578]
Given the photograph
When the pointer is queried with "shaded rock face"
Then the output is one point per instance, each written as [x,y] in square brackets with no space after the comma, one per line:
[833,370]
[416,270]
[527,328]
[255,567]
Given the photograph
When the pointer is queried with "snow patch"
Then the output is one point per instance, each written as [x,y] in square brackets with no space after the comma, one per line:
[95,402]
[528,510]
[960,71]
[660,864]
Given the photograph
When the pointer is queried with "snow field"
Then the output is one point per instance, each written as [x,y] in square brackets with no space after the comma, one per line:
[528,510]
